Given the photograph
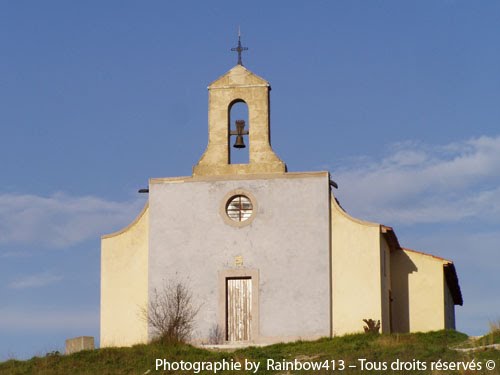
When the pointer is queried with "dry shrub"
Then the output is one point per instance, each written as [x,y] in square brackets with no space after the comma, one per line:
[495,326]
[372,326]
[216,335]
[171,313]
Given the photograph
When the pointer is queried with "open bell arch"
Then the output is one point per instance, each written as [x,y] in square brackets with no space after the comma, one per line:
[239,128]
[239,84]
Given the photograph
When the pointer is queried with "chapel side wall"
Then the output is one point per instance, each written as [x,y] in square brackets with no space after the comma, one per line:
[356,268]
[124,284]
[418,292]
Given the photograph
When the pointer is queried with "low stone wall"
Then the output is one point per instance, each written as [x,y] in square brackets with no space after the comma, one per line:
[79,343]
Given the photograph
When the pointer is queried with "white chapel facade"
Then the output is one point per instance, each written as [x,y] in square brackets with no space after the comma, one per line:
[269,255]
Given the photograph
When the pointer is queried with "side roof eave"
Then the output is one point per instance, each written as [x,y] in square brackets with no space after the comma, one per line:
[391,238]
[451,277]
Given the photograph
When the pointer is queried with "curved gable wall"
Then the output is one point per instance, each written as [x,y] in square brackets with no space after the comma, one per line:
[124,284]
[356,271]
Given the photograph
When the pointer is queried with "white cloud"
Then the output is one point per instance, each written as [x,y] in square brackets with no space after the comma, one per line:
[454,186]
[60,220]
[417,183]
[35,281]
[14,254]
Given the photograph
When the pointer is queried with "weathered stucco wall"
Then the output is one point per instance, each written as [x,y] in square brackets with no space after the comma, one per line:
[356,271]
[287,244]
[124,284]
[418,292]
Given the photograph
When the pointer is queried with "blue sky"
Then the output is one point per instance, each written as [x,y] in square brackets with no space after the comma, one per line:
[398,100]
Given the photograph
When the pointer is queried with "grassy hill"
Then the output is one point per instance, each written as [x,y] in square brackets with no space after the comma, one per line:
[376,349]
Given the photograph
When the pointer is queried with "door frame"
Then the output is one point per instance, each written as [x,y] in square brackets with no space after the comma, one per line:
[253,274]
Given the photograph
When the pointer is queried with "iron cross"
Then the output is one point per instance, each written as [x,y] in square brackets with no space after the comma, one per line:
[239,49]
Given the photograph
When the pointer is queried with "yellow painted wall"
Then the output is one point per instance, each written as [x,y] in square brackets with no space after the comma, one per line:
[418,292]
[124,284]
[356,272]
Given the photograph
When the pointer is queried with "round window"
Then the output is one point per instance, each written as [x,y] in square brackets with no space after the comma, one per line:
[239,208]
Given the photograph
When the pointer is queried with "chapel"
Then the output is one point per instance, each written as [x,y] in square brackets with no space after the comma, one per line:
[269,255]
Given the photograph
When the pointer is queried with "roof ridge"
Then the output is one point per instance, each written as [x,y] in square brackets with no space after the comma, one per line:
[430,255]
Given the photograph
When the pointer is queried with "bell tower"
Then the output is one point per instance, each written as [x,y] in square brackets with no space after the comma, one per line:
[238,85]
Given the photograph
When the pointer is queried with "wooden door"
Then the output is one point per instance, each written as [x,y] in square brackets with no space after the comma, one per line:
[238,309]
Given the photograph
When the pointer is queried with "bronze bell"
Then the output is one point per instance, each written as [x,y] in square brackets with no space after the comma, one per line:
[240,132]
[239,143]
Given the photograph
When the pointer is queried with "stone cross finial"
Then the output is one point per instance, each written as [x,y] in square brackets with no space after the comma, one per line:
[239,49]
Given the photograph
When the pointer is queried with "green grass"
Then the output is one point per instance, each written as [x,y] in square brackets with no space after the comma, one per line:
[138,359]
[492,337]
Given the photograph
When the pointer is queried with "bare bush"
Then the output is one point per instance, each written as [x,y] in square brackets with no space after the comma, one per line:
[372,326]
[216,335]
[171,313]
